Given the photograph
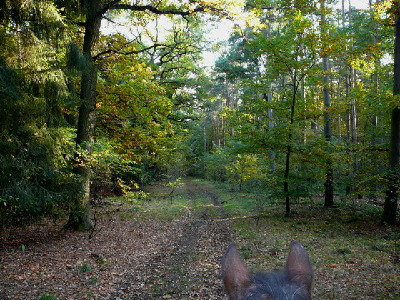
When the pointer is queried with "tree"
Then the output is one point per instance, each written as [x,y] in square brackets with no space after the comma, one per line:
[327,103]
[390,206]
[36,140]
[243,168]
[79,218]
[292,52]
[93,13]
[133,111]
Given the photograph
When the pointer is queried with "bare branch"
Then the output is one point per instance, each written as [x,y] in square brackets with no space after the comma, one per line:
[107,7]
[114,51]
[155,10]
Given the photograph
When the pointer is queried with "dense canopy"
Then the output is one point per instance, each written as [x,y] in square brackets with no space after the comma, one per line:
[101,97]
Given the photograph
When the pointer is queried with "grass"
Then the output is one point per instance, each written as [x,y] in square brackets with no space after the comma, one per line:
[159,205]
[352,253]
[85,268]
[346,243]
[47,297]
[152,208]
[93,280]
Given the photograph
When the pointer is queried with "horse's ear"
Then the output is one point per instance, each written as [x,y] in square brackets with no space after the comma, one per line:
[235,274]
[298,266]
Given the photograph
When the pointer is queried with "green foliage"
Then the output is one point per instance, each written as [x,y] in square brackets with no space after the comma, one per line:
[174,184]
[85,268]
[47,297]
[133,122]
[113,174]
[93,280]
[344,251]
[36,147]
[34,156]
[269,90]
[160,115]
[136,196]
[243,168]
[76,61]
[215,165]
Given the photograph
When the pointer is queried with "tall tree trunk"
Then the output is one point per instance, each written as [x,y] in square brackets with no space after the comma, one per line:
[204,139]
[289,146]
[304,121]
[353,108]
[327,133]
[375,79]
[327,117]
[79,218]
[286,177]
[390,206]
[268,98]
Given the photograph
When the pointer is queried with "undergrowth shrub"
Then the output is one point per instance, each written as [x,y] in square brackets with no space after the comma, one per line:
[215,164]
[36,150]
[36,181]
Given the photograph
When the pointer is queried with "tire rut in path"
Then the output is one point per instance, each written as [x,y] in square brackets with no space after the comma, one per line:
[188,266]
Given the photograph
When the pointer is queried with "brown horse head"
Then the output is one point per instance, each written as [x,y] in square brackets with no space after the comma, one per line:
[294,282]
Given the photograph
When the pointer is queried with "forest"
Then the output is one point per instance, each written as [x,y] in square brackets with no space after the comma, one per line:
[121,144]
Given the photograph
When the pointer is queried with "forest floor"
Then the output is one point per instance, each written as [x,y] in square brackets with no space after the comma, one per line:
[163,247]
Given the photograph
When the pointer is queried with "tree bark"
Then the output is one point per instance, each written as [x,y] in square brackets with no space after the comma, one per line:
[79,218]
[268,98]
[327,133]
[286,176]
[327,117]
[391,200]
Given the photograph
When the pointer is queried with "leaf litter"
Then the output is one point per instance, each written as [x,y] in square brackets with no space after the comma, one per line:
[139,254]
[129,257]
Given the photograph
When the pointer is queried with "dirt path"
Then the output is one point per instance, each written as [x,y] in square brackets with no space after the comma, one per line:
[131,256]
[188,266]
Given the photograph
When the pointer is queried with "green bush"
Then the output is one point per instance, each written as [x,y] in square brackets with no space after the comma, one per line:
[215,165]
[36,152]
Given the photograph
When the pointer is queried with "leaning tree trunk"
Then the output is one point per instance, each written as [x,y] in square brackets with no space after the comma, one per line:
[79,218]
[390,206]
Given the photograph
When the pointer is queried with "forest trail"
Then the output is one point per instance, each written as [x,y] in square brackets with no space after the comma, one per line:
[133,254]
[162,248]
[187,267]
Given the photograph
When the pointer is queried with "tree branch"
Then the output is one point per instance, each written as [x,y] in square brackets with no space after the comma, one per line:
[114,51]
[107,7]
[153,9]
